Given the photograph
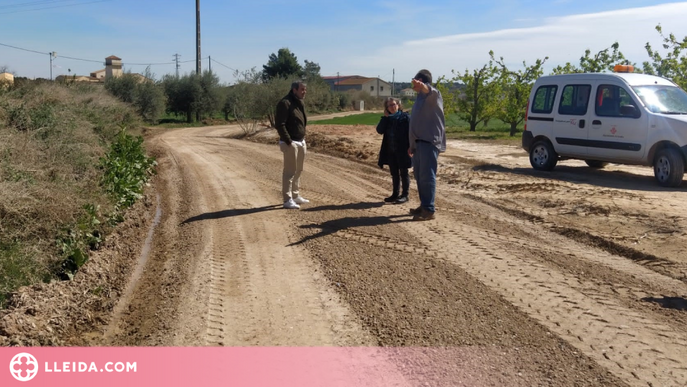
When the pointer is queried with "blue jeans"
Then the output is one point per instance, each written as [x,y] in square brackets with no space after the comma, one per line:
[425,171]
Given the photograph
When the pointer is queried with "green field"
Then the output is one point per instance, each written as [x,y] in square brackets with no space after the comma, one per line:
[355,119]
[455,128]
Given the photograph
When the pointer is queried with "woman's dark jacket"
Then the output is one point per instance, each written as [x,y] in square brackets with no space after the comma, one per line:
[395,142]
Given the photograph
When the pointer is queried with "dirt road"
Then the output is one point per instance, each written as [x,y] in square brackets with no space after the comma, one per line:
[574,278]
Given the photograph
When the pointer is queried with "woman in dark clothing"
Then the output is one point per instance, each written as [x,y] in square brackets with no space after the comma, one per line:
[394,151]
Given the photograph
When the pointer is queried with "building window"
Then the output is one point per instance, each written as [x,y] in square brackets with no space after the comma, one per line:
[381,88]
[372,88]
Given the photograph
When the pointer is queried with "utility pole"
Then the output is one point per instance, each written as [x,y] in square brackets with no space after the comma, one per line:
[198,47]
[198,37]
[176,59]
[52,55]
[393,82]
[209,63]
[337,81]
[377,86]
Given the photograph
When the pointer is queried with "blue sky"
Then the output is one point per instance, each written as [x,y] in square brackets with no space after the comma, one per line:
[390,39]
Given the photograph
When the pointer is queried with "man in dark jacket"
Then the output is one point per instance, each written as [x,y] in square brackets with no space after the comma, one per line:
[290,121]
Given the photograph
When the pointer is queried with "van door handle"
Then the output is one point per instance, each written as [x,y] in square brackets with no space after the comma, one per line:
[596,122]
[581,124]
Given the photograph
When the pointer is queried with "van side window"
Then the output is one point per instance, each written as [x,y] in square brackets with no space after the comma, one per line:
[543,99]
[609,99]
[574,100]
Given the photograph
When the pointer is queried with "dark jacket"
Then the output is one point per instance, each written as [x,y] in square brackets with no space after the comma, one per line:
[395,142]
[290,119]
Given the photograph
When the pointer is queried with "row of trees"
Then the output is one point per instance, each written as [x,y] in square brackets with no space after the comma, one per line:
[251,100]
[493,92]
[496,91]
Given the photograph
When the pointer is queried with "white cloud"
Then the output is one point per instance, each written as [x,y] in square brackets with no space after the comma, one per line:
[562,39]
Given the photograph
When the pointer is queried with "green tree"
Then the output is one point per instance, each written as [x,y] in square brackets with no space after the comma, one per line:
[252,100]
[123,87]
[480,101]
[448,95]
[146,95]
[150,98]
[602,61]
[311,71]
[193,94]
[284,64]
[183,94]
[210,98]
[516,87]
[674,64]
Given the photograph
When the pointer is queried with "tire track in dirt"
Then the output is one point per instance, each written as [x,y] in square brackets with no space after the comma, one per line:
[248,253]
[419,264]
[596,317]
[622,340]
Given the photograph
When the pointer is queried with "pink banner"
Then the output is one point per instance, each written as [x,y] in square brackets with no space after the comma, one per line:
[250,366]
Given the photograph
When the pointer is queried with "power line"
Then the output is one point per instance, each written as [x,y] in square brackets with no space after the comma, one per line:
[52,54]
[35,3]
[86,60]
[25,49]
[223,65]
[83,60]
[52,7]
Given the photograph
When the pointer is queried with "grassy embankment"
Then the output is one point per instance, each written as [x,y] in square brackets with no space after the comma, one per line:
[455,128]
[67,172]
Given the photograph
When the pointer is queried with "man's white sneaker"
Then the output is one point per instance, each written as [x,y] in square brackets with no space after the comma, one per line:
[291,205]
[301,200]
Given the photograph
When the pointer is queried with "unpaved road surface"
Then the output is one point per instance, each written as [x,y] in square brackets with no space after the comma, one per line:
[576,277]
[570,278]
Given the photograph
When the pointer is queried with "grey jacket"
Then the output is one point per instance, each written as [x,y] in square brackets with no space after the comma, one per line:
[427,120]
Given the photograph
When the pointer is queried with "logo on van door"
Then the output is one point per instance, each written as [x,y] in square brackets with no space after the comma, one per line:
[613,133]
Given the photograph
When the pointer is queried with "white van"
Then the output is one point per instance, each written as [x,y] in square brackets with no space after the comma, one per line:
[623,118]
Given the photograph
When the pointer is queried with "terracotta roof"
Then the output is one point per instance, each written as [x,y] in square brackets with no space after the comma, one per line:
[113,57]
[354,81]
[339,76]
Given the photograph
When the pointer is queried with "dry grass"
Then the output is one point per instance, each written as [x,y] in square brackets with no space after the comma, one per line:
[51,139]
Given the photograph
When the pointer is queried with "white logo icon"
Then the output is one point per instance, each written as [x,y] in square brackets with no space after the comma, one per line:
[24,367]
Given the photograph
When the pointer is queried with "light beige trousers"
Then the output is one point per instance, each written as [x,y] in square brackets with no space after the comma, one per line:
[294,156]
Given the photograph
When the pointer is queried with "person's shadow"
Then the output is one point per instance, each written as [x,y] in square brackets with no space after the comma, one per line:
[331,226]
[349,206]
[230,213]
[676,303]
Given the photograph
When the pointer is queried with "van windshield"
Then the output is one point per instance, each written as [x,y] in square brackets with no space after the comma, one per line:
[663,99]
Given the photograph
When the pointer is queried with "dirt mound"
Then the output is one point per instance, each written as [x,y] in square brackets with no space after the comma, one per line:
[359,142]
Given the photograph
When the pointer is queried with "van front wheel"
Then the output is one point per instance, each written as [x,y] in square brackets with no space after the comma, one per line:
[542,156]
[669,167]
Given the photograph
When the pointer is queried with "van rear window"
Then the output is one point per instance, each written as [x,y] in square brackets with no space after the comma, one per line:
[543,99]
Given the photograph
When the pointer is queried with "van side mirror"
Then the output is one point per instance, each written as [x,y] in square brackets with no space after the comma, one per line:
[629,111]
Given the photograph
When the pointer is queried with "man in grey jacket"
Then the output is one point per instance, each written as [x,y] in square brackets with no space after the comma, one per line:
[427,139]
[290,121]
